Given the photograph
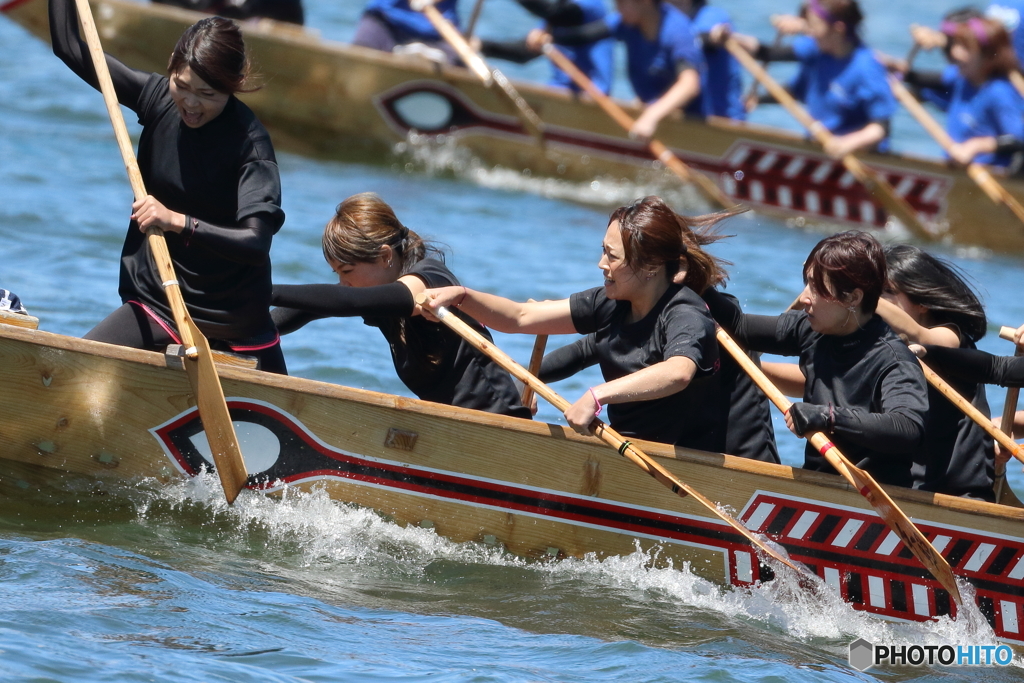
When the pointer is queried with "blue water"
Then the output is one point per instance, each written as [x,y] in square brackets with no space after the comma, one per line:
[105,583]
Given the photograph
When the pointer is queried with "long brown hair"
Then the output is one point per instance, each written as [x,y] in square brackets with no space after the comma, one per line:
[362,225]
[653,235]
[215,51]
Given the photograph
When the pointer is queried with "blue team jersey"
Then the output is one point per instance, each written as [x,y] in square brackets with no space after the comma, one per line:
[652,65]
[994,109]
[1009,13]
[722,81]
[596,60]
[400,15]
[843,94]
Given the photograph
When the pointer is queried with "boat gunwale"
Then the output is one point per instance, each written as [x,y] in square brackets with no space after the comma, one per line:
[322,389]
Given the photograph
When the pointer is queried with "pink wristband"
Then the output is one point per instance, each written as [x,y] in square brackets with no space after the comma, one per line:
[598,403]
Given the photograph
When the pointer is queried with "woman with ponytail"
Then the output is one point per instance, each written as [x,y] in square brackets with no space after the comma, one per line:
[647,327]
[381,266]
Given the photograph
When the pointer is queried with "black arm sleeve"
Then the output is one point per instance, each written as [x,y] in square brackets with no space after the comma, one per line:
[883,432]
[288,320]
[752,331]
[583,34]
[776,53]
[394,299]
[925,79]
[568,360]
[249,243]
[509,50]
[976,367]
[72,50]
[555,12]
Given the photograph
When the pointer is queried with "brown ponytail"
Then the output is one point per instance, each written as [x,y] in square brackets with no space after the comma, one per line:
[653,235]
[362,225]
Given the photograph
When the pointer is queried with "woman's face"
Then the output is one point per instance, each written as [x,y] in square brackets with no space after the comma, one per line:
[828,316]
[197,102]
[968,61]
[894,296]
[829,36]
[621,282]
[367,274]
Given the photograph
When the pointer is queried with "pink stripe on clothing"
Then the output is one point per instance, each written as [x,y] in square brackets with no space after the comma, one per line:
[158,319]
[260,347]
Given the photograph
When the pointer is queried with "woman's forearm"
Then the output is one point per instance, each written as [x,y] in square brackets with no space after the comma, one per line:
[657,381]
[902,324]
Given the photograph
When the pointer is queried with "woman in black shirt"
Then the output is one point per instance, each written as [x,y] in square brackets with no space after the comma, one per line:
[214,190]
[864,387]
[653,336]
[382,266]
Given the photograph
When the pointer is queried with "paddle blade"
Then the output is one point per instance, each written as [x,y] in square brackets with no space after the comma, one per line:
[213,411]
[911,536]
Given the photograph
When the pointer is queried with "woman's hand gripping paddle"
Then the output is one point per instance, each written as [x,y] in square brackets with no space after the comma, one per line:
[202,374]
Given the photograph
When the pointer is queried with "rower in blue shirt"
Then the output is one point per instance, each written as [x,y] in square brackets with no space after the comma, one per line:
[842,83]
[722,82]
[985,112]
[664,59]
[595,59]
[387,24]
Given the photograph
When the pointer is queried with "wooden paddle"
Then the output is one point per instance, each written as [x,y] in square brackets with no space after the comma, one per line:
[535,360]
[474,16]
[861,481]
[704,185]
[873,182]
[477,65]
[625,447]
[977,172]
[202,374]
[1008,417]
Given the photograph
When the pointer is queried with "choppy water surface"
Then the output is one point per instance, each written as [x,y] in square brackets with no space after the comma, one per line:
[102,583]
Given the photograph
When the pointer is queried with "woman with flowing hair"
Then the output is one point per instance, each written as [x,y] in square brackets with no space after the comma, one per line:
[381,266]
[864,388]
[215,192]
[927,301]
[646,326]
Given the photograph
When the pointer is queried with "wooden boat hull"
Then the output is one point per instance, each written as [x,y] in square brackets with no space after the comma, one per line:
[325,98]
[81,407]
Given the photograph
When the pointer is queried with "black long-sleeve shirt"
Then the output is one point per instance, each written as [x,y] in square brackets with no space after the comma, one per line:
[873,382]
[974,366]
[223,176]
[433,361]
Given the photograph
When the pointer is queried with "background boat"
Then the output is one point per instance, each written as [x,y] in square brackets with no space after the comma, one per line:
[325,98]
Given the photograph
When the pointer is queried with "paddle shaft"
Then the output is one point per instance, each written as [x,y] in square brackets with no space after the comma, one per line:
[984,421]
[536,358]
[605,433]
[860,480]
[977,172]
[662,153]
[874,183]
[474,17]
[213,410]
[477,65]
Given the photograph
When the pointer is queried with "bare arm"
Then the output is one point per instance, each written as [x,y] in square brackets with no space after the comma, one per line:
[686,87]
[902,324]
[656,381]
[504,315]
[865,138]
[787,377]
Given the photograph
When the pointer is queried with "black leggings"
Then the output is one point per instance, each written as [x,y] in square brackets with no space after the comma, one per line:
[131,326]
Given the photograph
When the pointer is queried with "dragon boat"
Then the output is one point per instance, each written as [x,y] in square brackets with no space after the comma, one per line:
[76,408]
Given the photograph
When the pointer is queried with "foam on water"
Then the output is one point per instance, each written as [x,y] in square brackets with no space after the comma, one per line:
[325,532]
